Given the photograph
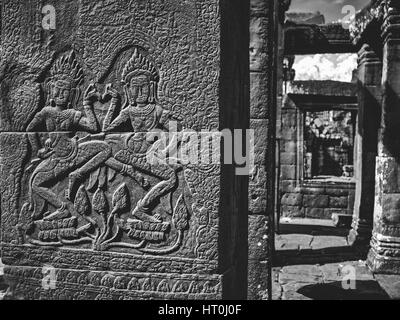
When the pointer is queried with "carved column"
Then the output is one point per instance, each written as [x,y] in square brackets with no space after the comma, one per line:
[369,99]
[384,256]
[93,206]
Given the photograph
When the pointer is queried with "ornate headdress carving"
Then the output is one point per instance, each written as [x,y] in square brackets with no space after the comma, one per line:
[138,65]
[67,68]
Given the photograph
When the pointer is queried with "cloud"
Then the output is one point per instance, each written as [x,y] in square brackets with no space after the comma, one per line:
[331,9]
[337,67]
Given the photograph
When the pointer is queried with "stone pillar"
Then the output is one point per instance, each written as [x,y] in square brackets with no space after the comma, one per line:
[265,18]
[384,256]
[91,207]
[369,99]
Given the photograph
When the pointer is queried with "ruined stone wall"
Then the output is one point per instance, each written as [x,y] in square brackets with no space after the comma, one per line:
[301,198]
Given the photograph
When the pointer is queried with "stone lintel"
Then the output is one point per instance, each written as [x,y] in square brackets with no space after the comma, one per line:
[305,38]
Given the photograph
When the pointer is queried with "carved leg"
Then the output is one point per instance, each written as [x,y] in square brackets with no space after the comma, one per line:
[144,206]
[91,155]
[63,209]
[127,170]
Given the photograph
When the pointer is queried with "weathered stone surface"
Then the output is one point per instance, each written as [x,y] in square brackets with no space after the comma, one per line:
[288,158]
[79,192]
[259,98]
[288,172]
[305,38]
[259,55]
[292,199]
[257,200]
[326,87]
[299,273]
[259,237]
[305,17]
[258,277]
[289,146]
[319,201]
[324,242]
[293,242]
[391,284]
[339,192]
[338,202]
[260,143]
[292,212]
[316,213]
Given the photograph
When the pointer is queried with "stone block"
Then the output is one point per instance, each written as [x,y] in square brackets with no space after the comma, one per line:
[316,201]
[257,200]
[288,172]
[259,32]
[338,192]
[314,190]
[259,237]
[260,128]
[292,212]
[289,186]
[289,120]
[351,201]
[325,242]
[341,220]
[292,199]
[338,202]
[258,275]
[391,208]
[288,158]
[316,213]
[290,134]
[259,98]
[289,146]
[259,7]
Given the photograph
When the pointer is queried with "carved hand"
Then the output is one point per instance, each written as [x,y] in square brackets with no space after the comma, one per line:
[91,94]
[110,92]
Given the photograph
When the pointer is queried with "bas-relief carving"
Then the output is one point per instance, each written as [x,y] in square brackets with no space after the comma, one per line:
[78,158]
[96,190]
[112,285]
[75,190]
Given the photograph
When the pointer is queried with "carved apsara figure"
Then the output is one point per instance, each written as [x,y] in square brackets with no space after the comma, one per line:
[141,112]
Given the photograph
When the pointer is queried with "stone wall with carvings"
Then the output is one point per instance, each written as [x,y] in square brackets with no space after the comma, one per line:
[77,107]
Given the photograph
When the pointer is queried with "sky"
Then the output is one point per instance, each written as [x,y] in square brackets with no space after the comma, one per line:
[336,67]
[331,9]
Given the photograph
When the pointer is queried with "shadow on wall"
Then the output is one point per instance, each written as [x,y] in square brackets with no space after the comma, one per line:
[391,118]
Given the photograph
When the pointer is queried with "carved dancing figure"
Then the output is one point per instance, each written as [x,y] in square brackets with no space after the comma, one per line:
[62,154]
[140,79]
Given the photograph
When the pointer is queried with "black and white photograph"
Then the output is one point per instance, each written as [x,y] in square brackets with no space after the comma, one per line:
[190,156]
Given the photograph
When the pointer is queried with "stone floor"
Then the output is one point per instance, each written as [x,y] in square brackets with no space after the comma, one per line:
[313,261]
